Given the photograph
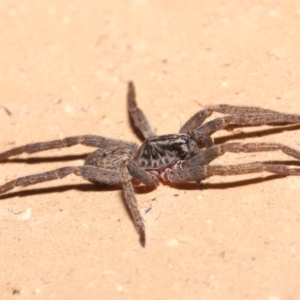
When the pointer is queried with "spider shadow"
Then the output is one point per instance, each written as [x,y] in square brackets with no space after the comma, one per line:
[254,134]
[84,187]
[49,159]
[225,185]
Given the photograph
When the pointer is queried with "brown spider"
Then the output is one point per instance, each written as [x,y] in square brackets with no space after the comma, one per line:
[173,158]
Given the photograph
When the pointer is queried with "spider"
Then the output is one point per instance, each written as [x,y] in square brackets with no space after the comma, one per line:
[172,158]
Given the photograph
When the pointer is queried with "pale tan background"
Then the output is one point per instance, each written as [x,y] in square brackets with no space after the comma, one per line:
[64,67]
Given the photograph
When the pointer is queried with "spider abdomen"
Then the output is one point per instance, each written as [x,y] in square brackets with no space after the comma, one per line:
[161,151]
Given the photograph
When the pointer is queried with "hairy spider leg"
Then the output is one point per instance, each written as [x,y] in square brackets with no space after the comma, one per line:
[87,140]
[139,119]
[237,115]
[197,168]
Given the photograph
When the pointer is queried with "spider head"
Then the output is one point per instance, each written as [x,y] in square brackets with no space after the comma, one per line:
[158,152]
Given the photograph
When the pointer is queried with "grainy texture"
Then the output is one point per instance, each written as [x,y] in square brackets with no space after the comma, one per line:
[64,68]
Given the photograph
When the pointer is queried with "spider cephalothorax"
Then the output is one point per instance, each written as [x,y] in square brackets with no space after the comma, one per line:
[173,158]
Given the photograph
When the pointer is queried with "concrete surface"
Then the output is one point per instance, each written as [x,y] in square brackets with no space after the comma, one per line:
[64,68]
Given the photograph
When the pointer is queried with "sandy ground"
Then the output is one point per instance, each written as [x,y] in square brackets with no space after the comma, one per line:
[64,71]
